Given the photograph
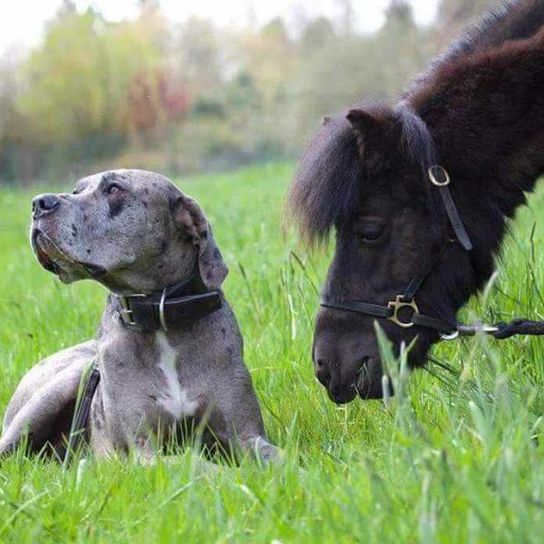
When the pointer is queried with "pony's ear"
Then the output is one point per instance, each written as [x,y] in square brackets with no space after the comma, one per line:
[190,218]
[361,121]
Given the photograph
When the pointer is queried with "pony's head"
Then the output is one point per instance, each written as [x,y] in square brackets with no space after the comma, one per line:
[365,178]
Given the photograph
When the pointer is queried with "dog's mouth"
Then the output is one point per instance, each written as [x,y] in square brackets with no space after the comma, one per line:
[54,260]
[42,245]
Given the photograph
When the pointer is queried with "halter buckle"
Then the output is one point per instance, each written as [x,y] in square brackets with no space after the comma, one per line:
[399,304]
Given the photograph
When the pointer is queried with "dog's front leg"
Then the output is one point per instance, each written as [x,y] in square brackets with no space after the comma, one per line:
[245,420]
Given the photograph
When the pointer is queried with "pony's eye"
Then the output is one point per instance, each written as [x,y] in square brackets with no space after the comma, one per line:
[113,189]
[371,232]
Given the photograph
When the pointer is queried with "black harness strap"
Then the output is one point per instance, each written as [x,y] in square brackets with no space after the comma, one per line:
[81,415]
[390,313]
[432,323]
[373,310]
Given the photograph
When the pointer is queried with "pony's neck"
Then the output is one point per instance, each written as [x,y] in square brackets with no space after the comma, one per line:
[486,115]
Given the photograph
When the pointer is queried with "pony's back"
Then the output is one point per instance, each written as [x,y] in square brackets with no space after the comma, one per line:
[515,20]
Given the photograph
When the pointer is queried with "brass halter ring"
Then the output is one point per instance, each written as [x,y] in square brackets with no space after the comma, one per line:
[397,305]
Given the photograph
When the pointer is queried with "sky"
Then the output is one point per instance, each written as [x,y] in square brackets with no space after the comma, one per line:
[22,21]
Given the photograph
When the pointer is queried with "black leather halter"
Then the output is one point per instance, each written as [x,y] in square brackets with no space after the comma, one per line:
[404,311]
[185,301]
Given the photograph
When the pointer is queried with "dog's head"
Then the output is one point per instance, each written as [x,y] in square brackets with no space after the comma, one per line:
[131,230]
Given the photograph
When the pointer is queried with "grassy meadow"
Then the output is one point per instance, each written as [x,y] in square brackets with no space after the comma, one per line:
[457,456]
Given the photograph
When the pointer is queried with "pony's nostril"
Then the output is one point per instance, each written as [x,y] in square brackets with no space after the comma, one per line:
[323,376]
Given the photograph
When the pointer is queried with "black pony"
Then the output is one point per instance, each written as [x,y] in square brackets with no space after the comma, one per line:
[418,196]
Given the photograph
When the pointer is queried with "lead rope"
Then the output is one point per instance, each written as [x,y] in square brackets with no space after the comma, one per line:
[500,331]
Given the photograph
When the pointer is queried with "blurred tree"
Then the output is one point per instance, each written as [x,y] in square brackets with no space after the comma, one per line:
[149,5]
[9,90]
[12,123]
[347,16]
[195,95]
[317,34]
[399,12]
[64,97]
[199,58]
[67,7]
[347,70]
[399,35]
[78,81]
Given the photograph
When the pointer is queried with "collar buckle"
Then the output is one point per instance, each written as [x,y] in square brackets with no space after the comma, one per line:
[126,310]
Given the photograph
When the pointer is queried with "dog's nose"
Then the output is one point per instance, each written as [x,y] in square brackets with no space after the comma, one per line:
[44,204]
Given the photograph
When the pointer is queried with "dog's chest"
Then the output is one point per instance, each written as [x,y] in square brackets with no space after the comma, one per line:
[173,397]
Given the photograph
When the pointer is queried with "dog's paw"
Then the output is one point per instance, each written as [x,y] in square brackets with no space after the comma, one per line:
[265,452]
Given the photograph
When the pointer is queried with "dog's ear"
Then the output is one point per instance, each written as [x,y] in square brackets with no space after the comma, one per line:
[191,220]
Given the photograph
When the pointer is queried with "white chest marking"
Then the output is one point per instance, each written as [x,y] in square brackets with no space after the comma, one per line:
[174,399]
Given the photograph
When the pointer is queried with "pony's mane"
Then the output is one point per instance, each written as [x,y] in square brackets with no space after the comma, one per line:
[513,20]
[326,187]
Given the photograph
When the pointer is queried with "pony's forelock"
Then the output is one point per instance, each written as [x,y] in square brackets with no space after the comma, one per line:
[326,184]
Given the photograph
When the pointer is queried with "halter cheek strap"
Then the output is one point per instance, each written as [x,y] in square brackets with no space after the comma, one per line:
[440,178]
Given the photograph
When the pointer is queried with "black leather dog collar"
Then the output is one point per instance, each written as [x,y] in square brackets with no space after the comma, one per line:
[185,301]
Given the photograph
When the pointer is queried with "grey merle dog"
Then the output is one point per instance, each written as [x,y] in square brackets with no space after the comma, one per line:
[168,350]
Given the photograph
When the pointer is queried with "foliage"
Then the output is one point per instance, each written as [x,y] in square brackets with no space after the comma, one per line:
[455,456]
[201,96]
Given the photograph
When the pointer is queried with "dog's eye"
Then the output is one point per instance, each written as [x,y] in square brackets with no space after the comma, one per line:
[113,189]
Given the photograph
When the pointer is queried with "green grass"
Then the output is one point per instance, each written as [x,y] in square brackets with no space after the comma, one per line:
[456,457]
